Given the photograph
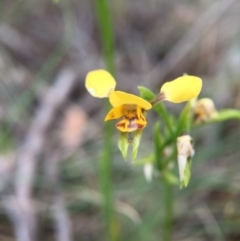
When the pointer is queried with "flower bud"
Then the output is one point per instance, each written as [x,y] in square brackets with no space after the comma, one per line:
[185,154]
[204,110]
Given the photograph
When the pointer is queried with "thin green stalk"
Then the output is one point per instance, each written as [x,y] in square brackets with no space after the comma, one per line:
[157,146]
[162,164]
[162,112]
[167,187]
[168,209]
[106,30]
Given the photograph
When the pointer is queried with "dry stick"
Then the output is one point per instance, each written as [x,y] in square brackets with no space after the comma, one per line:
[62,221]
[18,42]
[22,213]
[207,20]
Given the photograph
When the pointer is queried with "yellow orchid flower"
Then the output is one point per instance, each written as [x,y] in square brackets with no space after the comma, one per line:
[100,83]
[130,108]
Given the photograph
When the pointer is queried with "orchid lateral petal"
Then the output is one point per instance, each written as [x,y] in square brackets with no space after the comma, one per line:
[114,113]
[100,83]
[182,89]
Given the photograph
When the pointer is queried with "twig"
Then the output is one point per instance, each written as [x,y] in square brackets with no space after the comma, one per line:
[19,43]
[22,212]
[62,221]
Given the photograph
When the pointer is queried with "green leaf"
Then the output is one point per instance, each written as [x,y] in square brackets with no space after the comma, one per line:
[170,177]
[223,115]
[135,143]
[226,114]
[158,108]
[184,120]
[162,112]
[187,174]
[145,93]
[123,144]
[158,148]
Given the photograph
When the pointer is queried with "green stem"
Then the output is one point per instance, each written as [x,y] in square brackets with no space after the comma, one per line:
[105,168]
[168,209]
[162,112]
[106,29]
[167,187]
[159,98]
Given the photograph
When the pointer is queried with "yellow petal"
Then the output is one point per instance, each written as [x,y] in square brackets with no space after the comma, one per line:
[100,83]
[114,113]
[182,89]
[140,114]
[118,98]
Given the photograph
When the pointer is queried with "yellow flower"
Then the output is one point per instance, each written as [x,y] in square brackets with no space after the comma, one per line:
[181,89]
[129,107]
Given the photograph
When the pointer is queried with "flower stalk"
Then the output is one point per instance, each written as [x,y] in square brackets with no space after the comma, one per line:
[105,164]
[159,98]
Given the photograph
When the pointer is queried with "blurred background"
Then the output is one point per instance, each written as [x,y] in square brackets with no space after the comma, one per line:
[51,130]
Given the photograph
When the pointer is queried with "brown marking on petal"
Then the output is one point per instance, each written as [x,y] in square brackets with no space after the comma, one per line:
[135,125]
[132,120]
[121,125]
